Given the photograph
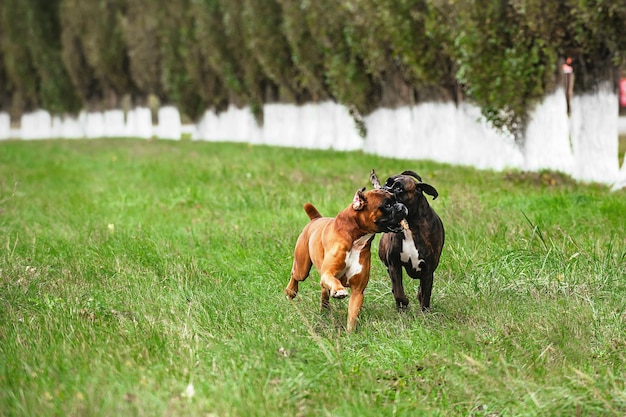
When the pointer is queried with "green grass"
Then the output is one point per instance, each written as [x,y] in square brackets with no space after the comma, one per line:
[131,269]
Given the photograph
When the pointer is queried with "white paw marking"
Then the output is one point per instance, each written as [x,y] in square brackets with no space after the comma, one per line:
[340,294]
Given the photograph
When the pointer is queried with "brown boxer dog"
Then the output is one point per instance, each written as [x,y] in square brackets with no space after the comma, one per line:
[340,247]
[417,248]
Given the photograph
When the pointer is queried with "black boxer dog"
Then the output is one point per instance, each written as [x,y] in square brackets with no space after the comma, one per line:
[416,248]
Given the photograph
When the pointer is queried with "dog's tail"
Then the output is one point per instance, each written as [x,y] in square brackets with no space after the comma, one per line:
[311,211]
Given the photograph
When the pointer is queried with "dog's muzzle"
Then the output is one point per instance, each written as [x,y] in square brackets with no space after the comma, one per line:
[398,213]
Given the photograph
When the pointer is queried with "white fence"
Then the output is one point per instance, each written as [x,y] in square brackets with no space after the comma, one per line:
[584,146]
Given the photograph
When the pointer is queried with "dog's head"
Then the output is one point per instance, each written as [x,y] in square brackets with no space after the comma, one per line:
[404,186]
[379,208]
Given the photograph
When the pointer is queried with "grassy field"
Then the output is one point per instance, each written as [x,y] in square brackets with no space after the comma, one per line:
[146,278]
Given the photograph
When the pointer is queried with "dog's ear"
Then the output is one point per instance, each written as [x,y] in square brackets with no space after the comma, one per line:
[359,200]
[394,186]
[389,183]
[374,180]
[412,174]
[428,189]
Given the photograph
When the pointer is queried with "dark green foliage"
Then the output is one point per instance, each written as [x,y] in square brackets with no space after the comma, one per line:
[5,87]
[205,81]
[592,32]
[75,22]
[219,32]
[268,45]
[503,55]
[176,31]
[368,45]
[21,74]
[344,70]
[31,51]
[305,55]
[598,41]
[94,50]
[422,40]
[141,32]
[43,39]
[503,64]
[255,85]
[508,51]
[405,46]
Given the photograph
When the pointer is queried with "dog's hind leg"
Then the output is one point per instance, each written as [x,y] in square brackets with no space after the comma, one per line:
[299,272]
[302,264]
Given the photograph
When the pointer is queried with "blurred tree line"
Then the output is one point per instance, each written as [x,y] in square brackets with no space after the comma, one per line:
[503,55]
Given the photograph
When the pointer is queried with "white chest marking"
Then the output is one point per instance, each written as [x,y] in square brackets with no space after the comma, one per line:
[409,251]
[353,263]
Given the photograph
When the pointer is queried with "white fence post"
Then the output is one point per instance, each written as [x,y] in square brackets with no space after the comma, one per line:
[5,126]
[169,123]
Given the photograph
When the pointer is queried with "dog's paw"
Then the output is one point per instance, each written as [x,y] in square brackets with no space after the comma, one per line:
[291,294]
[402,303]
[343,293]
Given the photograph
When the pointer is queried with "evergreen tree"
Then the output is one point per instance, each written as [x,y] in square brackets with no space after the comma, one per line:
[257,87]
[306,54]
[141,33]
[6,90]
[592,33]
[43,33]
[267,43]
[344,71]
[405,45]
[22,77]
[221,29]
[508,51]
[177,40]
[76,21]
[218,49]
[94,51]
[202,61]
[503,65]
[503,54]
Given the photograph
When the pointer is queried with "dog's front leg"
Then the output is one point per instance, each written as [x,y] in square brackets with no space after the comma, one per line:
[423,294]
[331,270]
[358,283]
[395,273]
[354,308]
